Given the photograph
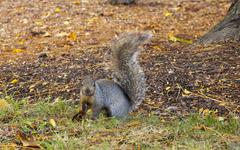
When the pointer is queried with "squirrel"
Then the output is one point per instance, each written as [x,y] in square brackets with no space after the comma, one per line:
[123,95]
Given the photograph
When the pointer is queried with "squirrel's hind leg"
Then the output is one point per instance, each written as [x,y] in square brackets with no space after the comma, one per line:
[107,112]
[95,112]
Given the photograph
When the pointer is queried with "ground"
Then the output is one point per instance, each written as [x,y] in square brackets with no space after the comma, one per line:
[47,47]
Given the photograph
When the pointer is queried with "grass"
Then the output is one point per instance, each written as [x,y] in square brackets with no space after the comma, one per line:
[136,132]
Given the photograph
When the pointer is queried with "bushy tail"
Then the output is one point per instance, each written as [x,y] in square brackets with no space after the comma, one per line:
[128,72]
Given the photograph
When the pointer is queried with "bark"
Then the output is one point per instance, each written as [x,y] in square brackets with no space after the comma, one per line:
[226,30]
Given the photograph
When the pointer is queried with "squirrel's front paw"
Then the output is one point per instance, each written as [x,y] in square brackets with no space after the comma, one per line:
[78,117]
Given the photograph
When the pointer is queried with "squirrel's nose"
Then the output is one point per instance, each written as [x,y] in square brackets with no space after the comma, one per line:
[88,91]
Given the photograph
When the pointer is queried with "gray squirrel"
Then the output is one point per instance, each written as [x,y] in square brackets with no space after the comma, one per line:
[123,95]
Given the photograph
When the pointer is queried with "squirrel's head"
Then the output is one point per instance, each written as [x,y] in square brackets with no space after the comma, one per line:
[88,86]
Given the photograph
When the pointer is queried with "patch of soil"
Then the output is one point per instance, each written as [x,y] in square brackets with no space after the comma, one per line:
[186,79]
[197,77]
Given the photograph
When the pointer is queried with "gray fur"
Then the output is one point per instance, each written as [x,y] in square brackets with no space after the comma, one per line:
[110,95]
[128,72]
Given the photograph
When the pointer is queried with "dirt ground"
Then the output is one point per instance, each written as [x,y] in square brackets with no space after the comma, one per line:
[47,47]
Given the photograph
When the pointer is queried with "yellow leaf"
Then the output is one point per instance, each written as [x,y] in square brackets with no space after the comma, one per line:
[21,42]
[52,122]
[14,81]
[134,124]
[222,104]
[173,38]
[221,118]
[167,88]
[39,23]
[77,2]
[156,47]
[57,10]
[10,146]
[92,20]
[4,104]
[66,22]
[18,50]
[89,111]
[206,112]
[73,36]
[167,14]
[186,91]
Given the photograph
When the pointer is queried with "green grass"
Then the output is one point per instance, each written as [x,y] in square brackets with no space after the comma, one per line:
[141,131]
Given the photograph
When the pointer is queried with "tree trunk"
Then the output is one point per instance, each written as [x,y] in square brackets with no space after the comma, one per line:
[228,29]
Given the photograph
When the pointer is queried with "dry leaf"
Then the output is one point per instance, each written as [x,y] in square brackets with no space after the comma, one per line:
[57,10]
[200,127]
[200,110]
[167,14]
[173,38]
[52,122]
[221,118]
[4,105]
[134,124]
[186,91]
[21,42]
[27,140]
[46,34]
[39,23]
[10,146]
[222,104]
[168,88]
[14,81]
[77,2]
[62,34]
[73,36]
[18,50]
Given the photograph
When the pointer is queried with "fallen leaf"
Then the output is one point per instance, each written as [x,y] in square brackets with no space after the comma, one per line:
[73,36]
[173,38]
[168,88]
[167,14]
[186,91]
[62,34]
[57,10]
[27,140]
[18,50]
[200,127]
[46,34]
[206,112]
[39,23]
[4,105]
[14,81]
[221,118]
[134,124]
[156,47]
[21,42]
[77,2]
[52,122]
[200,110]
[222,104]
[10,146]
